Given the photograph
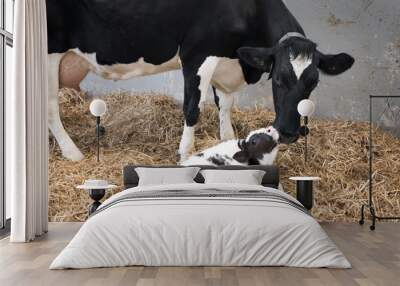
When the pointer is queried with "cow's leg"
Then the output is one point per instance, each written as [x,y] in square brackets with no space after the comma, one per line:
[225,102]
[228,78]
[216,97]
[191,112]
[67,146]
[197,82]
[206,72]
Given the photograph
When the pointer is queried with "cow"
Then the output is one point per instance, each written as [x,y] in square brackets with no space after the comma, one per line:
[259,148]
[225,43]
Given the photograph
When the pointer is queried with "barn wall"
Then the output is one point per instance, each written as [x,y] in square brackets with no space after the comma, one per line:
[367,29]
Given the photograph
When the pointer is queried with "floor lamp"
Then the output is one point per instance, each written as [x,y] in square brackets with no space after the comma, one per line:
[370,206]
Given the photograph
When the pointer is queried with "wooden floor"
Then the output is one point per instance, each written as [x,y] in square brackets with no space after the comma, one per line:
[375,257]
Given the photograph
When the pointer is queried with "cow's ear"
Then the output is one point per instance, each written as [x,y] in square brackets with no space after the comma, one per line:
[334,64]
[242,157]
[259,58]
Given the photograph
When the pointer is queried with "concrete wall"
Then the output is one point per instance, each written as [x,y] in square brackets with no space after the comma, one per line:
[367,29]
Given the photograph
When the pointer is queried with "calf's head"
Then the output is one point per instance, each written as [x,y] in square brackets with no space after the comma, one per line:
[293,67]
[257,144]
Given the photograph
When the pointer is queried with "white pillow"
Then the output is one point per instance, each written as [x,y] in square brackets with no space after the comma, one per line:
[245,177]
[166,176]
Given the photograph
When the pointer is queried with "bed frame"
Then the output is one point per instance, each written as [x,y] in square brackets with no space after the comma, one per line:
[271,178]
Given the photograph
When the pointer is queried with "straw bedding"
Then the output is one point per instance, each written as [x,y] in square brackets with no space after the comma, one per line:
[146,129]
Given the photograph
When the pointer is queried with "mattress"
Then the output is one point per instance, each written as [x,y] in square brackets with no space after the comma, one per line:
[201,225]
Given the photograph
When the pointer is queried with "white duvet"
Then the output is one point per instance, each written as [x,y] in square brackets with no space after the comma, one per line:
[191,231]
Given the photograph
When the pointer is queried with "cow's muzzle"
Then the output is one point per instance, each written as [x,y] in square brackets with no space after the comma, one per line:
[288,138]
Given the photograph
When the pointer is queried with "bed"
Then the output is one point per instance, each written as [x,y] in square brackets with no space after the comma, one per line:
[198,224]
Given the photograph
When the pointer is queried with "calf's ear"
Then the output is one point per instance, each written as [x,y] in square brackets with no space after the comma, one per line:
[334,64]
[242,157]
[259,58]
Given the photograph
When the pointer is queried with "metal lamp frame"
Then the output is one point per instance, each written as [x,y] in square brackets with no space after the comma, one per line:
[370,205]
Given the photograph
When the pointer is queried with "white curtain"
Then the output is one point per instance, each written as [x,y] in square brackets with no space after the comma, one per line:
[26,124]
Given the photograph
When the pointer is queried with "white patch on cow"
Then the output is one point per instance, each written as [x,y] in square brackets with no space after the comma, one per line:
[205,73]
[67,146]
[127,71]
[225,123]
[187,142]
[269,158]
[300,63]
[225,149]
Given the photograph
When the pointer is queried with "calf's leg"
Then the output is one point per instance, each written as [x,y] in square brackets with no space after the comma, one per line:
[67,146]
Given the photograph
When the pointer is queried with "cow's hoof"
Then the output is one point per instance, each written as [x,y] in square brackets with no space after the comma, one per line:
[183,158]
[227,135]
[180,158]
[185,150]
[74,156]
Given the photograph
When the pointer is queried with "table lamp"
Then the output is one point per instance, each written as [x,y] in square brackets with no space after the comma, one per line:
[306,108]
[98,108]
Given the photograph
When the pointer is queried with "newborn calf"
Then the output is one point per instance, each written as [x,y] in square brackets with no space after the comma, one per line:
[259,148]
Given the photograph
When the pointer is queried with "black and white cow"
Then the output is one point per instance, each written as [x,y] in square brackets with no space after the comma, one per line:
[225,43]
[259,148]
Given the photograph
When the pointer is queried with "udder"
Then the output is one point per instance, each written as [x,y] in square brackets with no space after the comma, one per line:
[228,76]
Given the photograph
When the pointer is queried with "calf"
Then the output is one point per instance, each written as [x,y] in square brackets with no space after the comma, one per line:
[259,148]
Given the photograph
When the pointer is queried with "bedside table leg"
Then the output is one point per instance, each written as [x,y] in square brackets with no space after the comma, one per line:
[95,195]
[93,207]
[305,194]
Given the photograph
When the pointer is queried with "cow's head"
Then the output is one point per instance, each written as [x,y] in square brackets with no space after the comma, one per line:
[293,66]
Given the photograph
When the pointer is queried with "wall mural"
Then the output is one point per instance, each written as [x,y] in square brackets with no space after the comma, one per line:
[117,40]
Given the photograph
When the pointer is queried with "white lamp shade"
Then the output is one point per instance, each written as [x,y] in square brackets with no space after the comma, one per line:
[98,107]
[306,107]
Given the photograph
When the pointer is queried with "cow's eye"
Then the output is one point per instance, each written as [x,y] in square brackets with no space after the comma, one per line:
[254,142]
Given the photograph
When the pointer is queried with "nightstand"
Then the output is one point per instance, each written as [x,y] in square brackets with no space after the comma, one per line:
[96,190]
[304,190]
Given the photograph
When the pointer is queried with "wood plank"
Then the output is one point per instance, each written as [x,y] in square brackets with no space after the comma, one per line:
[375,257]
